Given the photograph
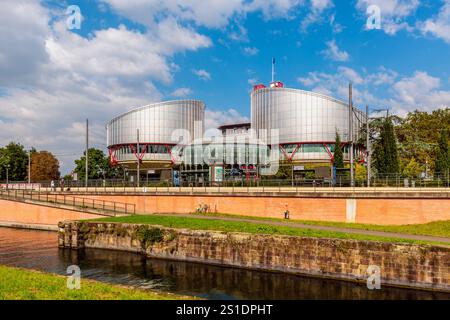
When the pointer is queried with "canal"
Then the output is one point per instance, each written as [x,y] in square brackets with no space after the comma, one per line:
[38,250]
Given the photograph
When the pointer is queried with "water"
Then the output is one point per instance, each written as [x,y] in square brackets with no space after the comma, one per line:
[38,250]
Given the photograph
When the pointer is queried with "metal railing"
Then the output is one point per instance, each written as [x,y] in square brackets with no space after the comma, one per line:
[342,183]
[76,202]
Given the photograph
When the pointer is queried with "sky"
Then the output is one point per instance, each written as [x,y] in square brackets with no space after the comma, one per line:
[129,53]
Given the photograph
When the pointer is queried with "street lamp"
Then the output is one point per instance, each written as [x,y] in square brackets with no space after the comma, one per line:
[7,175]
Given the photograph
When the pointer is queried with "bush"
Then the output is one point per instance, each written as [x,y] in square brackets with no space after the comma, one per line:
[147,236]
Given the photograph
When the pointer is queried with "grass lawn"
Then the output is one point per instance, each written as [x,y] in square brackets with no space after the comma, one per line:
[246,227]
[21,284]
[437,228]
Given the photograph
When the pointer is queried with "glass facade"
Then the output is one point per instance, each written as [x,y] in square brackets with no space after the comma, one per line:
[227,154]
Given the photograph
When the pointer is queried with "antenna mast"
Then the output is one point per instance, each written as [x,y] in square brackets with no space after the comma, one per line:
[273,70]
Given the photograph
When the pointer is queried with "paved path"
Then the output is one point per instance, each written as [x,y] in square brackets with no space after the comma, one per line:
[318,227]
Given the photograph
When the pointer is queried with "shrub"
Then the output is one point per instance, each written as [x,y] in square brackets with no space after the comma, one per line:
[147,236]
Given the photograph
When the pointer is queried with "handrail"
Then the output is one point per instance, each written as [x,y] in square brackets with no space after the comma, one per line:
[78,202]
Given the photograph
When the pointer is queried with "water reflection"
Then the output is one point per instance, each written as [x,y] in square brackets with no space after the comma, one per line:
[38,250]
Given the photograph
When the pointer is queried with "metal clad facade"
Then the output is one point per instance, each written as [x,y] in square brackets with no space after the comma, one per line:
[156,123]
[302,117]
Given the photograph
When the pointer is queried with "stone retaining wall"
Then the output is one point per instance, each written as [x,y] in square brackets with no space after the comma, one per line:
[417,266]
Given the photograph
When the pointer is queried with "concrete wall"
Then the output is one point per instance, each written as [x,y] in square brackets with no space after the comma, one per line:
[26,213]
[400,264]
[382,211]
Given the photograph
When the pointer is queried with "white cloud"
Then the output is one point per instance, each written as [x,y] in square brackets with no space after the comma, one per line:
[402,94]
[22,53]
[181,92]
[251,51]
[336,84]
[440,25]
[317,7]
[253,81]
[420,91]
[216,118]
[212,13]
[393,13]
[275,8]
[202,74]
[334,53]
[52,79]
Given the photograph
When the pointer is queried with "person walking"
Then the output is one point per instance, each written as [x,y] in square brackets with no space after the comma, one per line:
[52,185]
[286,213]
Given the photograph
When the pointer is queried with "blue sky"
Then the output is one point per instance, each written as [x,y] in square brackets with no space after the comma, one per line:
[134,52]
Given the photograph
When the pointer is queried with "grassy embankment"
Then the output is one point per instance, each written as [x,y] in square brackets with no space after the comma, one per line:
[20,284]
[248,227]
[436,229]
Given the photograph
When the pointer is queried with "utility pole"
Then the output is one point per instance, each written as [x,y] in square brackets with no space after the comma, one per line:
[87,154]
[138,152]
[350,132]
[369,152]
[29,166]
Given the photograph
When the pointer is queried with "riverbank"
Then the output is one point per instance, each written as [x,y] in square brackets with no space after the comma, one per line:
[400,264]
[434,229]
[282,227]
[20,284]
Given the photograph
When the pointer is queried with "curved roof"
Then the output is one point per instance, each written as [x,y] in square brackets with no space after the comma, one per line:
[153,105]
[300,91]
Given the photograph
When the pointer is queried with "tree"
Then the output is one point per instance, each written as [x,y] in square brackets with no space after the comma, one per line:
[442,164]
[386,158]
[418,135]
[99,166]
[44,166]
[413,169]
[15,158]
[360,173]
[338,154]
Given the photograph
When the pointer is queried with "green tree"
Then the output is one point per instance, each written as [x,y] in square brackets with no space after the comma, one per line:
[338,154]
[99,166]
[385,153]
[442,164]
[15,158]
[412,169]
[360,173]
[418,135]
[284,170]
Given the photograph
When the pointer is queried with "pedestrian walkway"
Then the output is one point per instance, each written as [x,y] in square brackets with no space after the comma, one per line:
[318,227]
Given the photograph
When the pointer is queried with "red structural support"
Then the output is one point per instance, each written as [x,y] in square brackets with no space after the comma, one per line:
[112,155]
[329,152]
[169,151]
[139,154]
[290,157]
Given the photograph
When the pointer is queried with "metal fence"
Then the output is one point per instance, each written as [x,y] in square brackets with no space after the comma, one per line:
[77,202]
[379,182]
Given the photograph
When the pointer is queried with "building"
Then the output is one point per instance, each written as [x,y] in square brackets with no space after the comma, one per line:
[303,124]
[298,126]
[235,129]
[234,155]
[151,135]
